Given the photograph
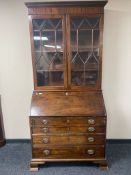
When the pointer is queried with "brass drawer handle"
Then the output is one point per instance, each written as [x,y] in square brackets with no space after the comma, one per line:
[91,129]
[45,129]
[91,121]
[90,151]
[66,93]
[45,140]
[91,139]
[46,152]
[44,121]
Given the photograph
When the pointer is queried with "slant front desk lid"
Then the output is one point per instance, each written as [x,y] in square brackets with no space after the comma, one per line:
[67,104]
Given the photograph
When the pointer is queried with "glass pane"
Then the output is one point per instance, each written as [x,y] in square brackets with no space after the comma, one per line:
[96,38]
[59,38]
[73,40]
[77,62]
[85,50]
[80,78]
[93,22]
[48,43]
[80,23]
[92,63]
[38,24]
[84,39]
[37,41]
[50,69]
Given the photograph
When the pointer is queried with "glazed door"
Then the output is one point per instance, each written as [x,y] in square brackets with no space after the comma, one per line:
[84,51]
[48,51]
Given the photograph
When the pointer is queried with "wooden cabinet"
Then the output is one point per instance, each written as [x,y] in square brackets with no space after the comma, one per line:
[68,116]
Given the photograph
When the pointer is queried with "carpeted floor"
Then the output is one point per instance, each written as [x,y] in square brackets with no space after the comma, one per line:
[15,158]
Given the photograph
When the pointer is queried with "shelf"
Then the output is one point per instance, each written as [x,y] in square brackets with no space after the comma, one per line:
[90,67]
[36,30]
[51,70]
[91,83]
[75,30]
[61,83]
[72,70]
[49,51]
[72,50]
[48,30]
[82,70]
[82,49]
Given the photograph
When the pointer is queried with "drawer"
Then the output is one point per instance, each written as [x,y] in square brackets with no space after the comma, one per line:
[49,121]
[49,130]
[83,152]
[88,121]
[68,140]
[68,129]
[70,121]
[88,129]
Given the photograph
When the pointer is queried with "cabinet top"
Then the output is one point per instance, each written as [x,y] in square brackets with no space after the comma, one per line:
[67,3]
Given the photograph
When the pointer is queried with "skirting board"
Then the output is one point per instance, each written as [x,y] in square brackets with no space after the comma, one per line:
[109,141]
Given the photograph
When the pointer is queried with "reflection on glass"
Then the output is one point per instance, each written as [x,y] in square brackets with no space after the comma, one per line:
[37,40]
[85,50]
[48,43]
[80,78]
[73,40]
[84,43]
[96,38]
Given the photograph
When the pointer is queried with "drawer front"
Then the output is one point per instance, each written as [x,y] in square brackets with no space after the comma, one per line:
[70,121]
[49,130]
[66,140]
[89,152]
[87,121]
[88,129]
[68,129]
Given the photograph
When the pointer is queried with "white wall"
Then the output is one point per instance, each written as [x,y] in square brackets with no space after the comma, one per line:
[16,80]
[117,68]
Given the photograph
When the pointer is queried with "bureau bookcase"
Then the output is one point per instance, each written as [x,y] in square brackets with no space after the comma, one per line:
[68,116]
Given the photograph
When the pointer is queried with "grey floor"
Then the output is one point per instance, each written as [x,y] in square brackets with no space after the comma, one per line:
[15,158]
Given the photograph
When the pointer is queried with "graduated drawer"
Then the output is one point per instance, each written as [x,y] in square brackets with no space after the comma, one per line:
[79,152]
[69,139]
[62,121]
[68,129]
